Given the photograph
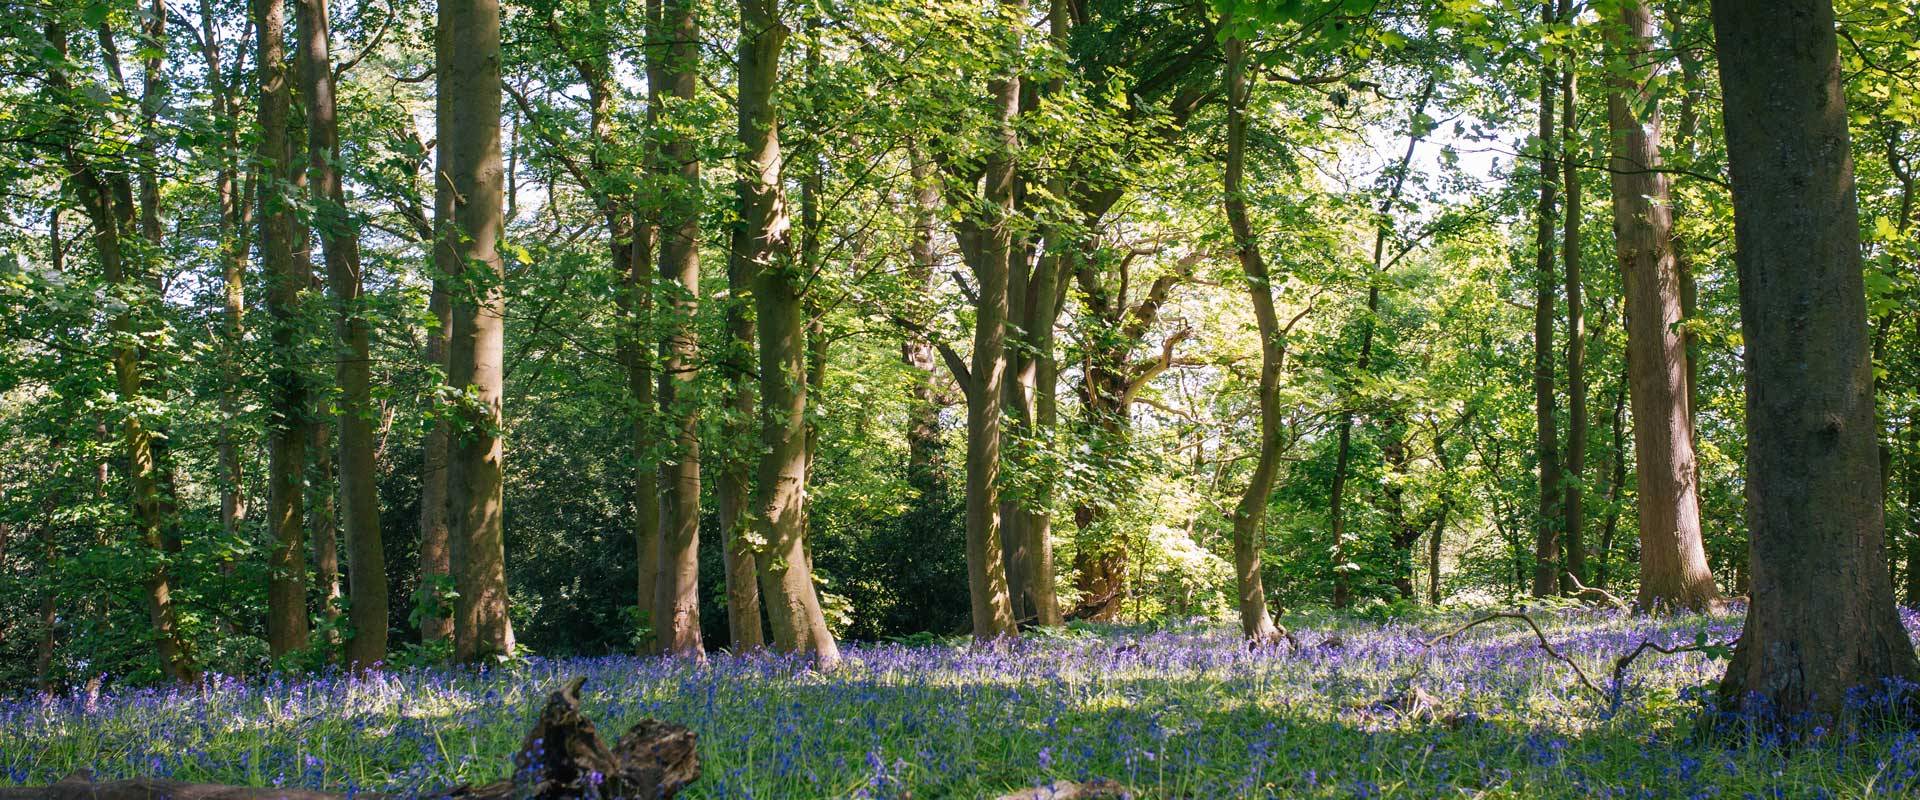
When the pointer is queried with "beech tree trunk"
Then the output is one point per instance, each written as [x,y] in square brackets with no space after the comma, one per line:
[1546,540]
[1250,516]
[1573,545]
[435,558]
[675,54]
[986,570]
[779,498]
[288,428]
[340,242]
[1821,623]
[736,480]
[1673,560]
[469,222]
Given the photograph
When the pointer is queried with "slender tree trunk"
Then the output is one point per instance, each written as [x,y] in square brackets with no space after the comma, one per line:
[1249,517]
[288,430]
[469,222]
[340,242]
[1822,621]
[435,558]
[925,449]
[1616,478]
[779,499]
[233,259]
[736,480]
[1573,544]
[1546,544]
[323,525]
[1673,561]
[675,49]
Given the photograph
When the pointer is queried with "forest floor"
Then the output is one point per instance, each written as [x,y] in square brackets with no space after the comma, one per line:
[1187,712]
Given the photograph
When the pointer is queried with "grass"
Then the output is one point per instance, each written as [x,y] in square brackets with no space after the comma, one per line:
[1178,713]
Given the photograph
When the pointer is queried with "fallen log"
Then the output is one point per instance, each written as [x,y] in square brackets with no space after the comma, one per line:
[562,758]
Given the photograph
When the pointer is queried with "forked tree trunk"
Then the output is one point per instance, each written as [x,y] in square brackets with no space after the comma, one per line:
[1822,621]
[674,59]
[779,498]
[469,222]
[1673,560]
[1249,517]
[340,242]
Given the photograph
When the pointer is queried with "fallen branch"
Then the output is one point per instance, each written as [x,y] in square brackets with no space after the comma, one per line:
[562,758]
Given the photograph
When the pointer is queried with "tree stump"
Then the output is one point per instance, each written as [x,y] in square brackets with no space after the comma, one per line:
[562,758]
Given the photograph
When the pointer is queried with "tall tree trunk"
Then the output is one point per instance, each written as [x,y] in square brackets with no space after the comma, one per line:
[737,431]
[340,243]
[675,56]
[1616,479]
[288,430]
[986,571]
[324,528]
[1822,620]
[779,499]
[1250,516]
[1573,542]
[232,221]
[924,447]
[1673,561]
[1546,542]
[468,224]
[435,558]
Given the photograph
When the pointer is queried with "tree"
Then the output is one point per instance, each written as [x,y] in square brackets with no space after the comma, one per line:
[779,497]
[673,64]
[469,222]
[1822,622]
[289,429]
[1249,517]
[360,501]
[1673,559]
[1546,545]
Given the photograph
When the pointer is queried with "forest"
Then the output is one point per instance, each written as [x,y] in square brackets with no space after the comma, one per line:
[1010,399]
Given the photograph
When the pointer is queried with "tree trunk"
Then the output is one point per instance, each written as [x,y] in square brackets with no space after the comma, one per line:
[779,499]
[340,243]
[1822,620]
[324,528]
[1546,542]
[1250,516]
[1673,561]
[233,219]
[1573,543]
[674,58]
[986,570]
[736,482]
[1616,479]
[925,449]
[435,560]
[288,429]
[469,223]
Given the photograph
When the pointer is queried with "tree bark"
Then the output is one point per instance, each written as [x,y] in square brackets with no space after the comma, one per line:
[324,528]
[1821,623]
[737,430]
[992,608]
[340,243]
[289,428]
[1573,542]
[232,221]
[675,58]
[1249,517]
[435,558]
[1673,561]
[779,498]
[1546,542]
[469,223]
